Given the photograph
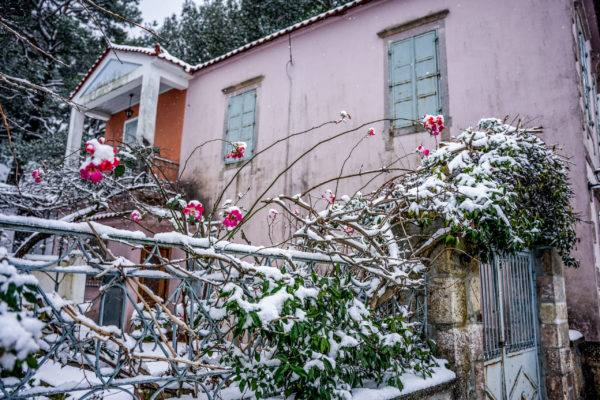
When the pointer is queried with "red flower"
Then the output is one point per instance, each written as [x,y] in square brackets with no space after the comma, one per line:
[238,150]
[105,165]
[89,147]
[233,216]
[194,208]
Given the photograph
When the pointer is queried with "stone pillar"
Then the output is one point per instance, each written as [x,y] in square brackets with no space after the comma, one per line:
[555,354]
[454,317]
[75,136]
[148,103]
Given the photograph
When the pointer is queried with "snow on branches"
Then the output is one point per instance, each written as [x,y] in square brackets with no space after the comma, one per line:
[20,332]
[497,185]
[101,159]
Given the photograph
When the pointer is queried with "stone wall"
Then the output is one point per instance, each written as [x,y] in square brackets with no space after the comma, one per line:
[444,391]
[454,317]
[555,354]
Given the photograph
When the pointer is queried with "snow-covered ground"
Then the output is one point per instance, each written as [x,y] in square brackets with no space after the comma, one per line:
[51,373]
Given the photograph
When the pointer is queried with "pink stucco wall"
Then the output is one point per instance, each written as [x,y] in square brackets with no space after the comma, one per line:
[503,58]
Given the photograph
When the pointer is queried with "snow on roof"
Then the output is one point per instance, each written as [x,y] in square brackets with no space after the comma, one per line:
[307,22]
[161,53]
[158,51]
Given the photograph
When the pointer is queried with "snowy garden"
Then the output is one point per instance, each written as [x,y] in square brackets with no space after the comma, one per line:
[337,310]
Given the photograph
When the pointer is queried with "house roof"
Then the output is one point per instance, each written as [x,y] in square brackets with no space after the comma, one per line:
[303,24]
[158,51]
[161,53]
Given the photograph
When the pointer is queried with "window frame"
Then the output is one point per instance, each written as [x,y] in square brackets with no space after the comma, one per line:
[432,22]
[233,91]
[128,121]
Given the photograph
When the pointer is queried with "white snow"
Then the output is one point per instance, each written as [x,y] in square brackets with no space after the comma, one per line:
[574,335]
[412,383]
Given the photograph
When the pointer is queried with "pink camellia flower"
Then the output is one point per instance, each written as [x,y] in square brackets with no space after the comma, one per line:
[194,209]
[296,212]
[372,131]
[348,230]
[101,159]
[136,215]
[329,196]
[85,174]
[37,175]
[105,165]
[422,151]
[233,217]
[434,124]
[272,215]
[96,176]
[238,150]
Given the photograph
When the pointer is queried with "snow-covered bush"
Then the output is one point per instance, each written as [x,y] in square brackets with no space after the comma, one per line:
[20,332]
[498,186]
[311,337]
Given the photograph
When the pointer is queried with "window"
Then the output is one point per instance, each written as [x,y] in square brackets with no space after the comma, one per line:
[241,112]
[583,59]
[129,132]
[414,79]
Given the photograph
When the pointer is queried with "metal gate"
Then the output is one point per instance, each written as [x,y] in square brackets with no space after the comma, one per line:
[510,337]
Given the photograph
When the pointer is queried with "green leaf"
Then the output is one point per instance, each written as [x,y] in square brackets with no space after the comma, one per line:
[299,371]
[119,171]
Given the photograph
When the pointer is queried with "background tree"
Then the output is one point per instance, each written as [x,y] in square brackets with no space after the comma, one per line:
[50,43]
[215,27]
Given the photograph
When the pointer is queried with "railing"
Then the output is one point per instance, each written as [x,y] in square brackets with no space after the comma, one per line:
[165,169]
[101,355]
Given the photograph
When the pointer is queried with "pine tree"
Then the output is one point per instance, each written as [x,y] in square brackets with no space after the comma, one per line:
[215,27]
[65,31]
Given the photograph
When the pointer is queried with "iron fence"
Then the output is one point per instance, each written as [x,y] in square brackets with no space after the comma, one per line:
[166,363]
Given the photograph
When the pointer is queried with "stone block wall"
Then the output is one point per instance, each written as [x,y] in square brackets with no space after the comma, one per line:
[555,354]
[454,318]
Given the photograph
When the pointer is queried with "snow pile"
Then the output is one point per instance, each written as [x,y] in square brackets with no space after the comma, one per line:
[574,335]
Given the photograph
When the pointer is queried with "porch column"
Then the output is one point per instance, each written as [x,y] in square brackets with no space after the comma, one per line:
[74,138]
[148,103]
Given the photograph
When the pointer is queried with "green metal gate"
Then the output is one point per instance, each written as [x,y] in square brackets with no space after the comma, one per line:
[510,328]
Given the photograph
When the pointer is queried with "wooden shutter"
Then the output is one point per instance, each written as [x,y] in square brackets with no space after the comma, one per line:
[402,82]
[414,79]
[583,55]
[240,122]
[427,75]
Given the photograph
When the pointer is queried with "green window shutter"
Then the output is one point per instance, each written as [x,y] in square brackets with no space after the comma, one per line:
[414,79]
[402,82]
[427,75]
[240,122]
[247,124]
[583,55]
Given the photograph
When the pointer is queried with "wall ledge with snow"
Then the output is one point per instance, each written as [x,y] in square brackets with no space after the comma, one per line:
[440,386]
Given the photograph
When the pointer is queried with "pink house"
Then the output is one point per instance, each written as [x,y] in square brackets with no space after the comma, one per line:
[375,59]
